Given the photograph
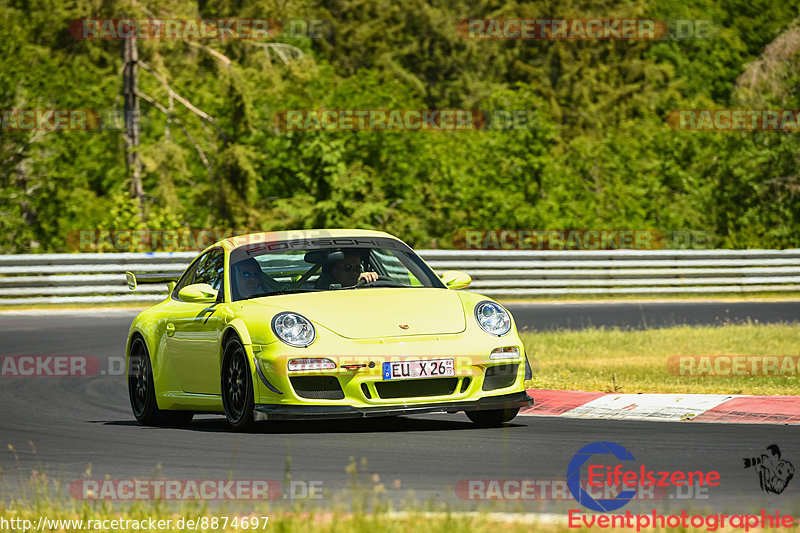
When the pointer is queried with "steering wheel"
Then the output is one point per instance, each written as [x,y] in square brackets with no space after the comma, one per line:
[362,282]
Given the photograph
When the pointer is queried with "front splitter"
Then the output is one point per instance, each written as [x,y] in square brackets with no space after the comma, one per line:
[310,412]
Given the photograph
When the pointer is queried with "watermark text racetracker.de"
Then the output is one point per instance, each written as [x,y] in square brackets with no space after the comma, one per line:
[58,120]
[75,366]
[177,240]
[571,29]
[557,490]
[194,489]
[199,29]
[151,240]
[579,239]
[734,119]
[403,119]
[68,120]
[558,239]
[734,365]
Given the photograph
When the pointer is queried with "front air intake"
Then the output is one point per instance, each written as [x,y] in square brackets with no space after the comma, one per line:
[317,387]
[499,377]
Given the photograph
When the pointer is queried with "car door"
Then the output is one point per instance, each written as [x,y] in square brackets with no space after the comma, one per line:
[194,330]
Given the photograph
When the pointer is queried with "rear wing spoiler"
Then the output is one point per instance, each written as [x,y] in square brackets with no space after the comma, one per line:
[135,279]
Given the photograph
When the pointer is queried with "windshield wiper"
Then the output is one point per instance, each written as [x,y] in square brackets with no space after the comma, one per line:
[282,291]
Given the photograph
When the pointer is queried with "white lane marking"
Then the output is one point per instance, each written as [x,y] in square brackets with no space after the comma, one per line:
[648,406]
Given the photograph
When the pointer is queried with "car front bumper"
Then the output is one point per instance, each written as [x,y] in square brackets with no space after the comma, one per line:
[309,412]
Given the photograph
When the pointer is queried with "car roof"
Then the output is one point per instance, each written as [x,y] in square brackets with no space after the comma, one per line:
[276,236]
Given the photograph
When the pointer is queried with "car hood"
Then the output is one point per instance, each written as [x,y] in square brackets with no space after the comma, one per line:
[377,312]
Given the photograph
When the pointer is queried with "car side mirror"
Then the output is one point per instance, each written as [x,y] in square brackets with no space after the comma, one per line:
[198,293]
[455,279]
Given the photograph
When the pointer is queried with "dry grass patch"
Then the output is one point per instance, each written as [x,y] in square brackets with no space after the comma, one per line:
[613,360]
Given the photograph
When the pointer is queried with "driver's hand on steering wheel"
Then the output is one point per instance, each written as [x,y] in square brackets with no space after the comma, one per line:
[367,277]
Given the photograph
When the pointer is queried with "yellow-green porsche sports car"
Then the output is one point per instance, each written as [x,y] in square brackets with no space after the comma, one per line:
[321,324]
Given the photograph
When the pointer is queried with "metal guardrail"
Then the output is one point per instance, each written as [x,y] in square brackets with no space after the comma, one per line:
[99,278]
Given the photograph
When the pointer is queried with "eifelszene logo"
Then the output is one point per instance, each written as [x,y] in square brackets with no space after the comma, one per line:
[606,476]
[774,473]
[574,476]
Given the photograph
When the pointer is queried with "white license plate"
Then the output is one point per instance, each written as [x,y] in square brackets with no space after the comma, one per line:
[432,368]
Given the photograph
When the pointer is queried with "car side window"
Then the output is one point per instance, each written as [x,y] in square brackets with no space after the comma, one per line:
[211,269]
[188,276]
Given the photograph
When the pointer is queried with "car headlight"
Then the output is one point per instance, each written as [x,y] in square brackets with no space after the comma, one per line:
[293,329]
[492,318]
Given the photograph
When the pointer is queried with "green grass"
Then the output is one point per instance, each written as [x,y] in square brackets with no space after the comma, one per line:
[613,360]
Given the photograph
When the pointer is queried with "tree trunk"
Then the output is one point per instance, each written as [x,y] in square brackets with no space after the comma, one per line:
[130,87]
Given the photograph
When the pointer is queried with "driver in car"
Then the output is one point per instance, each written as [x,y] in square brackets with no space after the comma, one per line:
[248,278]
[347,272]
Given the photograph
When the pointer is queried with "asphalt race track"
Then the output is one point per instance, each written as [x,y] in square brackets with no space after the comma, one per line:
[74,422]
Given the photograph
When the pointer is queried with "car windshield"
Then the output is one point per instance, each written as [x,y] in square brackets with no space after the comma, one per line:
[264,269]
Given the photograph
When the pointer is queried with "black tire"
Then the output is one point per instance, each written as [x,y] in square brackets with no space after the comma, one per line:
[237,386]
[492,417]
[142,394]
